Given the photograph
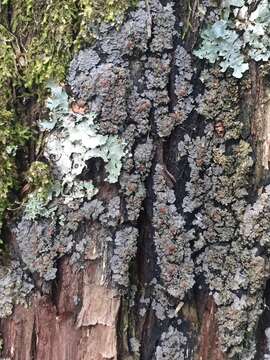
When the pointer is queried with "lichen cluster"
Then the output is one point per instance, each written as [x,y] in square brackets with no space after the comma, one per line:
[128,91]
[238,36]
[125,250]
[175,206]
[172,345]
[217,195]
[15,286]
[72,141]
[60,200]
[171,239]
[196,236]
[38,40]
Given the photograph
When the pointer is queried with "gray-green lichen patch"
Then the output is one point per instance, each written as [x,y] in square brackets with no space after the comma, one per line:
[165,306]
[171,240]
[73,140]
[37,207]
[42,242]
[15,286]
[36,242]
[111,217]
[171,346]
[255,225]
[125,250]
[122,91]
[238,36]
[267,350]
[229,232]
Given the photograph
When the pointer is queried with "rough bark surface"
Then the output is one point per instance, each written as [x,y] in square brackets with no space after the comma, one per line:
[172,261]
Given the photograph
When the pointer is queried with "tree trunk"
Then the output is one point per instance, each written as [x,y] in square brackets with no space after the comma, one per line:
[170,259]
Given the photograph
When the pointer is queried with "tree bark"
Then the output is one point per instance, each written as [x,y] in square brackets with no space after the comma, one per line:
[172,260]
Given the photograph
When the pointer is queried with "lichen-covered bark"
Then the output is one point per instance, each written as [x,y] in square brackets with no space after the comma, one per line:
[172,260]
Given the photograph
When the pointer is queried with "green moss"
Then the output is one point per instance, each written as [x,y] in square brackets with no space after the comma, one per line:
[37,41]
[41,187]
[12,136]
[49,32]
[39,178]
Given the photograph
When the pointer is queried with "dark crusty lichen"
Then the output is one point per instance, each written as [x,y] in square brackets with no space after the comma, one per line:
[171,239]
[221,167]
[125,248]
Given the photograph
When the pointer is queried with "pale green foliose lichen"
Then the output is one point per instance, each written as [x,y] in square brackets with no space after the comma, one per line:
[36,207]
[237,37]
[72,140]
